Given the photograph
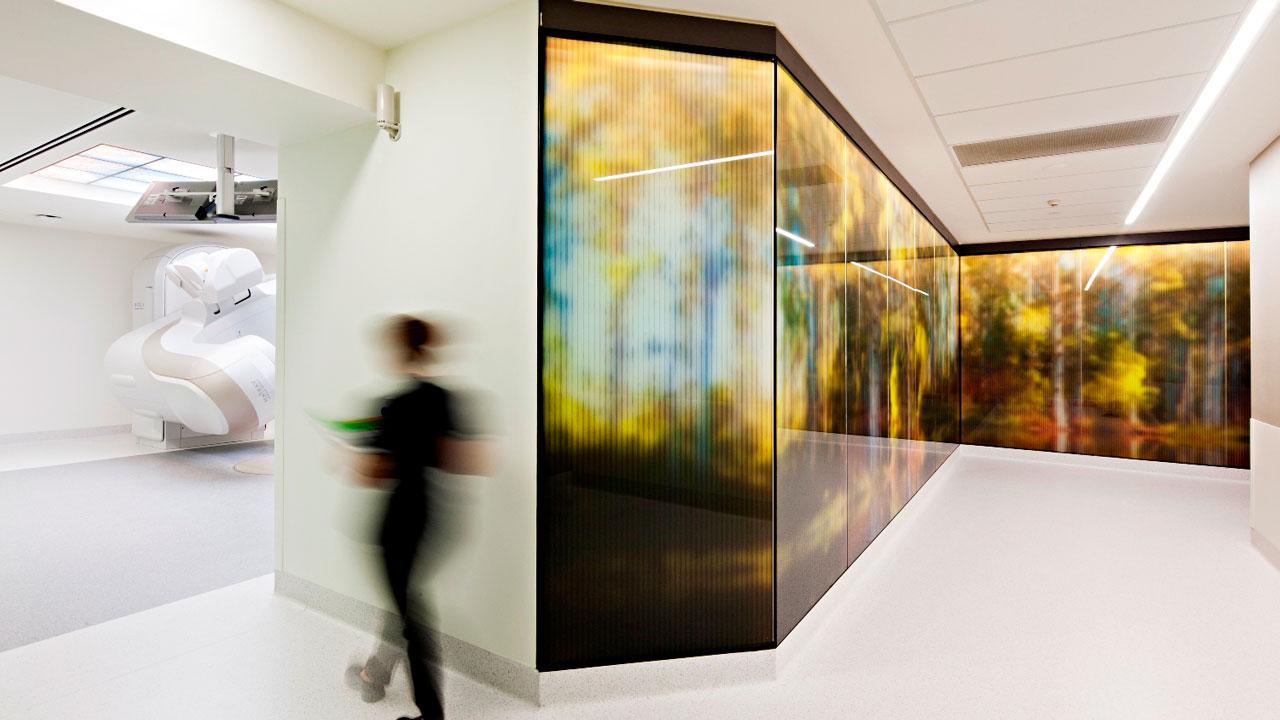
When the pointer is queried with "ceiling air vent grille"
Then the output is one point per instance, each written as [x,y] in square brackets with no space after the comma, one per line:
[1098,137]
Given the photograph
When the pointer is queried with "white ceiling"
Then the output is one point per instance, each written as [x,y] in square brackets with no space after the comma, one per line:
[923,75]
[1004,68]
[918,75]
[390,23]
[31,115]
[270,84]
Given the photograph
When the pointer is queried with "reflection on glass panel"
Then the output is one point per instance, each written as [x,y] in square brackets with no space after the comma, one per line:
[867,296]
[1137,352]
[812,363]
[656,535]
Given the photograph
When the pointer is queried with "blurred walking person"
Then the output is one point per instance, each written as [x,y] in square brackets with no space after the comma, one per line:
[417,435]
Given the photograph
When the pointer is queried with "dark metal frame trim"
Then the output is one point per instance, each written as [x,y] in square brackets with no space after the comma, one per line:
[652,26]
[1171,237]
[65,138]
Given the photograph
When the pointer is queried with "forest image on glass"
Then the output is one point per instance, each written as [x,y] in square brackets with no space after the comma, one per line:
[1150,360]
[655,504]
[756,349]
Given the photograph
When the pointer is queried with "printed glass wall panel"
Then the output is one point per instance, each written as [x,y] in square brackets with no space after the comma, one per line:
[866,346]
[1139,352]
[655,505]
[1238,355]
[812,360]
[937,336]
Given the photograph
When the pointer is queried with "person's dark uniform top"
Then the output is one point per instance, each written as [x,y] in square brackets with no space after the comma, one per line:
[413,423]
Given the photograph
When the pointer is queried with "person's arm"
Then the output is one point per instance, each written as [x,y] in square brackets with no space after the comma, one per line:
[466,457]
[372,466]
[370,469]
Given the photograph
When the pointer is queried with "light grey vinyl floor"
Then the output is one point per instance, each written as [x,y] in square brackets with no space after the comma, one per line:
[1015,585]
[88,542]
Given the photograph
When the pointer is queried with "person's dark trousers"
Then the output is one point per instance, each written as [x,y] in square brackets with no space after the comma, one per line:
[402,533]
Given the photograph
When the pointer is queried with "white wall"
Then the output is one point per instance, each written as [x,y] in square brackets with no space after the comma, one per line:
[443,220]
[1264,303]
[264,35]
[67,297]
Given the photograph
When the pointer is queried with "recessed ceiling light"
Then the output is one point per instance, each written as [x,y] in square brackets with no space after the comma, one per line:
[46,217]
[1252,26]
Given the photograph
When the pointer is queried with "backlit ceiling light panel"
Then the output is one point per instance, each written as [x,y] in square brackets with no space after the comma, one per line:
[126,170]
[1254,23]
[684,166]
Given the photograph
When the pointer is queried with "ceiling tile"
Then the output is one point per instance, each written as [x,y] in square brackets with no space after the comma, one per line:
[1003,29]
[1125,158]
[895,10]
[1082,197]
[1062,184]
[1138,58]
[1096,223]
[1167,96]
[1059,213]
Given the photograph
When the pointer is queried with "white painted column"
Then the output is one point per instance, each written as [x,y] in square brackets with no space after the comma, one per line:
[1264,304]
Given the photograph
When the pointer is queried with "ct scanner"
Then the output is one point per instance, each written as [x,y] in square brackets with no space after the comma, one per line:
[200,360]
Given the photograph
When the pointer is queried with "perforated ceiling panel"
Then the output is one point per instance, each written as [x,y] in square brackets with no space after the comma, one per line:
[1098,137]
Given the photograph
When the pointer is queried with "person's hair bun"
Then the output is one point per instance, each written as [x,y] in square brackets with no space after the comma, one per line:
[414,334]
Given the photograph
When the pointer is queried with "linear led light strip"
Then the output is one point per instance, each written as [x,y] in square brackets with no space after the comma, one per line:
[1249,30]
[685,166]
[809,243]
[1110,251]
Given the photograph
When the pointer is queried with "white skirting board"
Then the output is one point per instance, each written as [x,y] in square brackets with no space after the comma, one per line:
[73,433]
[1205,472]
[1264,489]
[501,673]
[1266,548]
